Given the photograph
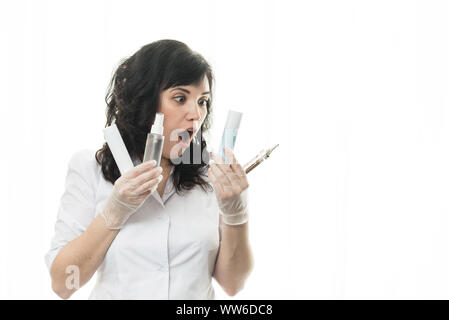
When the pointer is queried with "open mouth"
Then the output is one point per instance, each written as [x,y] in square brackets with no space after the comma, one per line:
[185,136]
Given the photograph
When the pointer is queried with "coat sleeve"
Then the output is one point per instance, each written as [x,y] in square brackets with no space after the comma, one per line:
[77,204]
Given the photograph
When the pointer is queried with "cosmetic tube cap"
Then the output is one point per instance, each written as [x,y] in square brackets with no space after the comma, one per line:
[158,126]
[233,120]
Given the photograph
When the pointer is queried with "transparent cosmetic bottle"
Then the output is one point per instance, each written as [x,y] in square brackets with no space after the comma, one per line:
[155,140]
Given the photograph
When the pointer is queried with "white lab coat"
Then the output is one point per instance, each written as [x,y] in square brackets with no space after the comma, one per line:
[166,250]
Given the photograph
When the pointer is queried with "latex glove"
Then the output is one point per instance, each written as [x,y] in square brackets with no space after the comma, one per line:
[130,192]
[231,188]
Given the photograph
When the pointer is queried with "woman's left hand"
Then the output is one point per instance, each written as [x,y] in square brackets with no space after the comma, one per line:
[231,188]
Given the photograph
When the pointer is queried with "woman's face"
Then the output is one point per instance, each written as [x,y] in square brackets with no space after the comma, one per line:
[184,108]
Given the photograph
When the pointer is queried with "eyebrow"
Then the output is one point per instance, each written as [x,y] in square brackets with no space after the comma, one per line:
[187,91]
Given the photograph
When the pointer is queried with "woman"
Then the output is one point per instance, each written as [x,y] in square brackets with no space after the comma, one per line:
[154,232]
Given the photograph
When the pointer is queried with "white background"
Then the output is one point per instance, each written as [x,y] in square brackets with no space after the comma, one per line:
[353,204]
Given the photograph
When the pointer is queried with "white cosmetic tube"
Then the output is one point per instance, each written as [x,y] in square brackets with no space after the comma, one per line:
[118,148]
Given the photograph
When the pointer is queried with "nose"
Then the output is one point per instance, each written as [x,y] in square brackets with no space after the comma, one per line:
[194,112]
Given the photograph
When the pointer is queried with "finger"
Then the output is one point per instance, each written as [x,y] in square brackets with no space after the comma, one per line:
[235,165]
[234,179]
[147,192]
[228,188]
[237,169]
[141,168]
[235,172]
[219,162]
[227,177]
[147,175]
[230,155]
[217,185]
[220,175]
[148,186]
[226,159]
[237,180]
[238,183]
[218,159]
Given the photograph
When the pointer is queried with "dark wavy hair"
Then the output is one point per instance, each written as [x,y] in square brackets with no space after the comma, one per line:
[133,98]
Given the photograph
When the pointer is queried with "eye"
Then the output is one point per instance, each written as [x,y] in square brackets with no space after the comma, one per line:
[204,102]
[179,97]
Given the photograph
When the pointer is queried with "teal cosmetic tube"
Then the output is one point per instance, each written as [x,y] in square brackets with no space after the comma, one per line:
[230,132]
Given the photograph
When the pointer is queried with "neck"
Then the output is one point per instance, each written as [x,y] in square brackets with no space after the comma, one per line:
[166,164]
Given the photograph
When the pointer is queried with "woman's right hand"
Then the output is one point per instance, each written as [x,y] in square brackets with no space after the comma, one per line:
[129,193]
[138,183]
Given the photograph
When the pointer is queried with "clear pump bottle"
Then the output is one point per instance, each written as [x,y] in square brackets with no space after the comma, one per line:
[155,140]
